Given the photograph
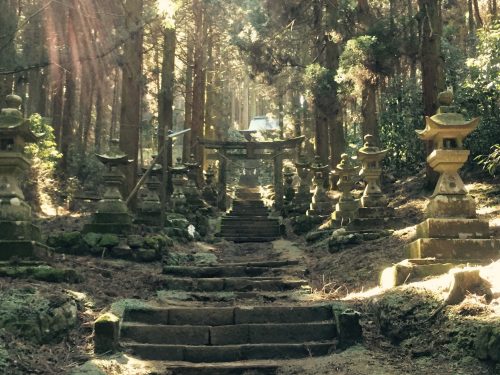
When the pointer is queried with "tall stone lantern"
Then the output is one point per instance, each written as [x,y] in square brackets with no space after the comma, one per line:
[451,236]
[447,130]
[371,158]
[302,198]
[191,191]
[321,205]
[210,193]
[149,207]
[112,215]
[347,207]
[18,236]
[179,179]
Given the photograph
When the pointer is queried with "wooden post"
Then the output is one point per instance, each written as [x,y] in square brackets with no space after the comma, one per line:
[278,179]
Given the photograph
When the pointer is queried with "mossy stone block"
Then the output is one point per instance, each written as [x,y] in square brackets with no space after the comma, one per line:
[106,333]
[92,239]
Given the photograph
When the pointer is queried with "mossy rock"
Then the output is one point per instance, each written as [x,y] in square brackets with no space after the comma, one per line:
[304,223]
[92,239]
[66,242]
[317,235]
[157,242]
[487,343]
[146,255]
[88,368]
[109,240]
[135,241]
[177,259]
[41,319]
[42,273]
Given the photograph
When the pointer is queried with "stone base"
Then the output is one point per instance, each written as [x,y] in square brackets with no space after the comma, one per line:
[149,218]
[375,212]
[453,228]
[378,200]
[19,230]
[411,270]
[359,224]
[104,228]
[320,209]
[23,250]
[451,206]
[112,217]
[452,249]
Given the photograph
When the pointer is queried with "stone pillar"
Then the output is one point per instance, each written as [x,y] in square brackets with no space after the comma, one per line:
[18,236]
[289,191]
[210,193]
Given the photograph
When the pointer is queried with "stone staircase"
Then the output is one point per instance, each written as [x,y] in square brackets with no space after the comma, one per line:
[243,315]
[248,220]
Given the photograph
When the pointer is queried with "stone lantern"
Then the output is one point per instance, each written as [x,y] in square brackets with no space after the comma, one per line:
[191,191]
[149,208]
[447,130]
[210,192]
[347,207]
[18,236]
[112,215]
[371,157]
[289,190]
[179,179]
[321,205]
[451,236]
[302,198]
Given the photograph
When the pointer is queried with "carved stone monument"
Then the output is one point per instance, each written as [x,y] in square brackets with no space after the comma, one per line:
[451,234]
[347,207]
[19,238]
[112,215]
[321,205]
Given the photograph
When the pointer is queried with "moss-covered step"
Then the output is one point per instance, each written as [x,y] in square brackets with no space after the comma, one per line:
[40,272]
[24,250]
[459,249]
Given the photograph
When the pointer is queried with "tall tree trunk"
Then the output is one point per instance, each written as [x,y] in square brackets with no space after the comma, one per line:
[115,106]
[165,105]
[99,118]
[130,113]
[432,64]
[188,110]
[477,14]
[336,130]
[199,80]
[369,110]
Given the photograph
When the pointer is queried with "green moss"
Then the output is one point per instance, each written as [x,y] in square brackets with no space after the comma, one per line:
[118,308]
[92,239]
[42,273]
[109,240]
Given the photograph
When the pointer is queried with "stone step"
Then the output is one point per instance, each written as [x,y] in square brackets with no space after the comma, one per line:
[228,335]
[224,368]
[247,232]
[247,238]
[226,353]
[237,284]
[226,270]
[223,316]
[233,297]
[258,225]
[245,212]
[250,218]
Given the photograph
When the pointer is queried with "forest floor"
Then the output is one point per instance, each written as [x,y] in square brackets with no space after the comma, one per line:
[443,345]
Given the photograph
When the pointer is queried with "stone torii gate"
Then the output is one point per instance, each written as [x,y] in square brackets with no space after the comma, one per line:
[251,150]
